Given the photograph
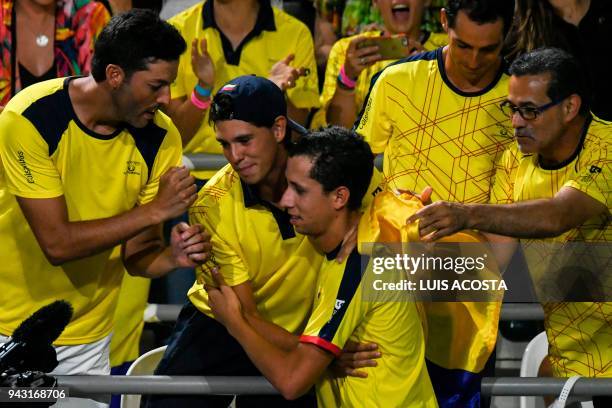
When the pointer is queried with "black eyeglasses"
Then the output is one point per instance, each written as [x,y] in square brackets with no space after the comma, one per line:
[527,112]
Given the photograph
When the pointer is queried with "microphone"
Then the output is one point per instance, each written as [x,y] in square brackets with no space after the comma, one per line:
[30,347]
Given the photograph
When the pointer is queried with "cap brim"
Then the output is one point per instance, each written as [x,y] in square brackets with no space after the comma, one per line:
[293,125]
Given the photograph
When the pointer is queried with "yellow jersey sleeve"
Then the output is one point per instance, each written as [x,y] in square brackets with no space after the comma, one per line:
[594,178]
[28,168]
[305,94]
[502,191]
[170,155]
[226,253]
[374,124]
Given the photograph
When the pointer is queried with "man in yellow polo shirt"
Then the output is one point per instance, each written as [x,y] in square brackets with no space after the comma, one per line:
[89,164]
[435,117]
[233,38]
[328,173]
[553,187]
[255,247]
[352,63]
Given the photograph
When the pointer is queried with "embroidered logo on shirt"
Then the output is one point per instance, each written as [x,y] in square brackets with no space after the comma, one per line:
[132,167]
[26,170]
[594,169]
[338,305]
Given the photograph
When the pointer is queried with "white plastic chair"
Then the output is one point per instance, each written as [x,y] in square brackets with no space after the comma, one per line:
[143,365]
[533,356]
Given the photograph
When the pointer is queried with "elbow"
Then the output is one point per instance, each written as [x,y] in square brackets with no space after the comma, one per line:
[292,391]
[293,387]
[56,255]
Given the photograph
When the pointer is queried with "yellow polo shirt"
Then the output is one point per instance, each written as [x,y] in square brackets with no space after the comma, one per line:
[275,36]
[46,152]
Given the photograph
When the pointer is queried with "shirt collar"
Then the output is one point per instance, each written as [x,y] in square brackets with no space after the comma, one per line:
[251,199]
[265,17]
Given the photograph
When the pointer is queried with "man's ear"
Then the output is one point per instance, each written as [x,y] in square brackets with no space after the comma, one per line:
[571,107]
[340,197]
[279,129]
[115,76]
[444,20]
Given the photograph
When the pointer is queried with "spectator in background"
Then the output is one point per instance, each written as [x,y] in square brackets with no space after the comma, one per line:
[46,39]
[583,28]
[341,18]
[351,65]
[232,38]
[436,118]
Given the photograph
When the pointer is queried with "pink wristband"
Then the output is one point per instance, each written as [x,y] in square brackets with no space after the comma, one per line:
[346,81]
[198,103]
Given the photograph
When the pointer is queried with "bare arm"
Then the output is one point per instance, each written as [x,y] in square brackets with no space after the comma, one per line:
[293,371]
[542,218]
[274,334]
[184,114]
[341,110]
[146,255]
[62,240]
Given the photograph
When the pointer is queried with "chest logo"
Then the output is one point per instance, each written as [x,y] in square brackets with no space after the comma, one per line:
[132,167]
[338,305]
[595,170]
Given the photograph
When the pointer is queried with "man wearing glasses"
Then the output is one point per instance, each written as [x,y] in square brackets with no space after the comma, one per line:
[555,187]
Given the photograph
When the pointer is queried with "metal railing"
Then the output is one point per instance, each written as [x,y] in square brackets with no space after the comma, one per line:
[510,311]
[209,161]
[80,385]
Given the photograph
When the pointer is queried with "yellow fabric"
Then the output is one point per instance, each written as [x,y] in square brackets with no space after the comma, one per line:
[341,314]
[579,334]
[432,135]
[472,326]
[98,178]
[258,56]
[248,246]
[129,319]
[337,56]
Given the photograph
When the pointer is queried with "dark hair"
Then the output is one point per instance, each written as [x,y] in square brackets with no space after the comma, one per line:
[340,158]
[133,39]
[566,74]
[533,28]
[481,11]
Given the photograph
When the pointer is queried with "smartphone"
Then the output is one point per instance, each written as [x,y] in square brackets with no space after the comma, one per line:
[390,47]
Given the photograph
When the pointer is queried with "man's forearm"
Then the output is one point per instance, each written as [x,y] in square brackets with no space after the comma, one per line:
[186,117]
[274,334]
[341,109]
[280,367]
[81,239]
[528,219]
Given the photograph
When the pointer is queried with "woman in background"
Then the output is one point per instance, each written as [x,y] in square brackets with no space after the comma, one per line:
[581,27]
[45,39]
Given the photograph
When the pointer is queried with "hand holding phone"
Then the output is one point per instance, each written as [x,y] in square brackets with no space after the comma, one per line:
[395,47]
